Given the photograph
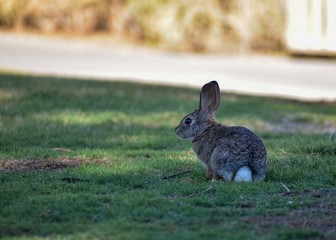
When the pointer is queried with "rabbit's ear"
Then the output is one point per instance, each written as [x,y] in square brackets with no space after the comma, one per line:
[210,98]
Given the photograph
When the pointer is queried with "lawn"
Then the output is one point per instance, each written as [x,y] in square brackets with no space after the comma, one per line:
[83,159]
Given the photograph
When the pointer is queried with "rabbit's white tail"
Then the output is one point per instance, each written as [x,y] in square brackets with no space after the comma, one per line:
[244,174]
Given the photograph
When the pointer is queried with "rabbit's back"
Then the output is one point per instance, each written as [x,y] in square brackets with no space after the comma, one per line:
[241,141]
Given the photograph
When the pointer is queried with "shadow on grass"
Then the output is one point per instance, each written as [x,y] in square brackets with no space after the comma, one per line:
[103,202]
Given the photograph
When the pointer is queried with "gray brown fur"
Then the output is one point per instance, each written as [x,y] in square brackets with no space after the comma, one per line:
[223,150]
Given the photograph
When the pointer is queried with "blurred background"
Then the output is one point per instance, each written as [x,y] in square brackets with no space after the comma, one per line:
[228,26]
[182,25]
[225,27]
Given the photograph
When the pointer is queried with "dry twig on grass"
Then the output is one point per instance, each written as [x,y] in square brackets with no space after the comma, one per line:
[176,175]
[287,190]
[204,191]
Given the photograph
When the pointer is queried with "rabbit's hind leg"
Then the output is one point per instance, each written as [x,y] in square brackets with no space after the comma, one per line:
[258,177]
[218,164]
[226,175]
[258,170]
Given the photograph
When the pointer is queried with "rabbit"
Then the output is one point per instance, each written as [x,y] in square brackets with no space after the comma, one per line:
[229,153]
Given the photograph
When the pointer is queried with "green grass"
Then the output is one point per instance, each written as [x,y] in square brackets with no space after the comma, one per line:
[119,137]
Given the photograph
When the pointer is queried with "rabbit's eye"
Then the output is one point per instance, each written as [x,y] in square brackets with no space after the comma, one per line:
[187,121]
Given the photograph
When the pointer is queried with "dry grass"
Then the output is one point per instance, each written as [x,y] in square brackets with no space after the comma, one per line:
[193,25]
[25,165]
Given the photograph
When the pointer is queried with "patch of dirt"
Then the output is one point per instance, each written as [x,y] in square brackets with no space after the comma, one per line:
[45,165]
[314,218]
[310,193]
[319,217]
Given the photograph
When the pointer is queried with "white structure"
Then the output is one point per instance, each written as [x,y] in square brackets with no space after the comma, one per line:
[311,26]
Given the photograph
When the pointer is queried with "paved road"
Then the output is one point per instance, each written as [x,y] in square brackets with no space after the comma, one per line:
[294,78]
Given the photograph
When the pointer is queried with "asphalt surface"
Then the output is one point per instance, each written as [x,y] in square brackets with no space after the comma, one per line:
[304,79]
